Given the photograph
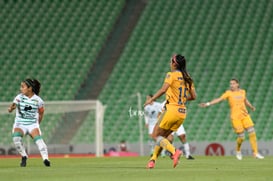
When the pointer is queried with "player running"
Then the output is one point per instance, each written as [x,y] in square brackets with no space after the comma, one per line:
[179,89]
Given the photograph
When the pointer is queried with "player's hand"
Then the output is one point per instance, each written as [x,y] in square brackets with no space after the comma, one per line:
[203,105]
[10,109]
[253,108]
[149,101]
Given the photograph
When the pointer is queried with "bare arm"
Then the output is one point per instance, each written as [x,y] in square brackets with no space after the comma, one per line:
[159,93]
[214,101]
[11,107]
[248,104]
[192,95]
[41,114]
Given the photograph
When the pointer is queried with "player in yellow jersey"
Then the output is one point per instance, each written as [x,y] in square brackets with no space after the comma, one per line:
[179,89]
[240,119]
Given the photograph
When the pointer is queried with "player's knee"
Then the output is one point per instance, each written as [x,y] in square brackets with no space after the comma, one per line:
[159,139]
[250,129]
[241,135]
[17,140]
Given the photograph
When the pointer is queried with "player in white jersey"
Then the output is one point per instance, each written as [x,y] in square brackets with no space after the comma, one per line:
[181,134]
[29,114]
[151,112]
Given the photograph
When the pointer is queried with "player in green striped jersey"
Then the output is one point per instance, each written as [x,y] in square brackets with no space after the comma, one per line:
[29,114]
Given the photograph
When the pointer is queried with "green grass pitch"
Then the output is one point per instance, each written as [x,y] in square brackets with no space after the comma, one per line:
[211,168]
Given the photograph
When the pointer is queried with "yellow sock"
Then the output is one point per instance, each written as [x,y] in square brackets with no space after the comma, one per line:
[253,142]
[165,144]
[239,143]
[157,151]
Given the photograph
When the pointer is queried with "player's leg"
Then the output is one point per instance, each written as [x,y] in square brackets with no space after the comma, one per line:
[168,122]
[36,135]
[239,130]
[151,140]
[17,134]
[240,139]
[181,134]
[249,126]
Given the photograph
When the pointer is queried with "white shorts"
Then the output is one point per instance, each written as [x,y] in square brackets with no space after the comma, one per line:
[27,129]
[180,131]
[151,128]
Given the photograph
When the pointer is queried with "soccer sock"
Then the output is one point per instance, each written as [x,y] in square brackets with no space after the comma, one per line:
[156,153]
[42,147]
[187,149]
[253,142]
[152,145]
[17,140]
[165,144]
[239,142]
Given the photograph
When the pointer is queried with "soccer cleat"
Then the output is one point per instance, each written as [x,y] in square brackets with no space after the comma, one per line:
[151,164]
[23,161]
[176,157]
[190,157]
[258,156]
[239,155]
[47,163]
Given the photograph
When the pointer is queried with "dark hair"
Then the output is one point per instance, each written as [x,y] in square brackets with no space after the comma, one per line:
[34,83]
[236,80]
[180,62]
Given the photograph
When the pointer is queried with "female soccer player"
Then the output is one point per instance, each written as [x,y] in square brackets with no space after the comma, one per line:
[239,116]
[29,114]
[179,88]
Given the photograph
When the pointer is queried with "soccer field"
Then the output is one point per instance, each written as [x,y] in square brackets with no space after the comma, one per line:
[133,168]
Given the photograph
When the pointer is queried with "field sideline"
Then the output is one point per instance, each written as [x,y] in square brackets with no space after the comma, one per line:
[133,168]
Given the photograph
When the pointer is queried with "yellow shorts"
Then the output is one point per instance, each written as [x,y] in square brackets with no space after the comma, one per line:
[240,125]
[172,118]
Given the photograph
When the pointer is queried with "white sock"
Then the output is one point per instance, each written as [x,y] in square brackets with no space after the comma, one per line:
[187,149]
[42,148]
[17,140]
[152,145]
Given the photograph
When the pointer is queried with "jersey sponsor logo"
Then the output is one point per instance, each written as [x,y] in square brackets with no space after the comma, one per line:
[181,110]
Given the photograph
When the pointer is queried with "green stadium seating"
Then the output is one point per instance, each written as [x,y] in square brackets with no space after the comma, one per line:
[53,41]
[58,41]
[220,39]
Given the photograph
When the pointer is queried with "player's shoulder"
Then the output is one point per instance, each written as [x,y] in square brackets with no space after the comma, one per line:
[37,98]
[19,96]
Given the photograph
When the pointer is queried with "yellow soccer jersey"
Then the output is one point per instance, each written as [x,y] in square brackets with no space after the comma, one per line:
[177,92]
[236,100]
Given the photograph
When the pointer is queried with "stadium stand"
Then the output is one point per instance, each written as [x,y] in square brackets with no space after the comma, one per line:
[60,40]
[53,41]
[221,40]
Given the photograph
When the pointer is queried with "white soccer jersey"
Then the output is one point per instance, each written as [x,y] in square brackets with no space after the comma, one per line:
[27,109]
[151,113]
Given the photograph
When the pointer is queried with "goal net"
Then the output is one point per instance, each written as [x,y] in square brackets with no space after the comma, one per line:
[64,123]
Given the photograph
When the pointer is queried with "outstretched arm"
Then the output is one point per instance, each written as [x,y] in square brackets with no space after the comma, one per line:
[214,101]
[159,93]
[248,104]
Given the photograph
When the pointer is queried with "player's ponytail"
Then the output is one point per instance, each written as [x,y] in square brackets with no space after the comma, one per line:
[181,65]
[35,84]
